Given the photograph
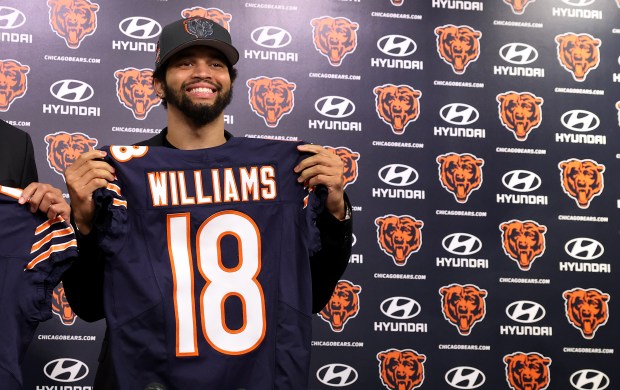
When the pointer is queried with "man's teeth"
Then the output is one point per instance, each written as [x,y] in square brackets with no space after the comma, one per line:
[202,90]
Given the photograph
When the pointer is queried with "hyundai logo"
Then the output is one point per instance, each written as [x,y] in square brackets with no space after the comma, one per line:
[271,37]
[396,45]
[465,377]
[72,91]
[578,3]
[580,120]
[525,312]
[518,53]
[400,308]
[66,370]
[11,18]
[398,175]
[336,375]
[589,379]
[139,27]
[521,181]
[354,240]
[459,114]
[334,106]
[584,248]
[461,244]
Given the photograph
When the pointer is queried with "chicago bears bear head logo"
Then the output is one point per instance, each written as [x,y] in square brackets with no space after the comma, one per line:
[463,306]
[73,20]
[13,82]
[582,180]
[527,371]
[399,236]
[342,306]
[397,105]
[586,310]
[334,38]
[61,307]
[401,369]
[518,6]
[217,15]
[135,91]
[271,98]
[460,174]
[349,158]
[458,46]
[64,148]
[578,53]
[523,241]
[520,112]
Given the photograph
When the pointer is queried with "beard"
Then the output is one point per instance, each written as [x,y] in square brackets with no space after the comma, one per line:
[199,114]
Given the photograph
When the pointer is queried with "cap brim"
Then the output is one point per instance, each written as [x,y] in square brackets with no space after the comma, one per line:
[231,54]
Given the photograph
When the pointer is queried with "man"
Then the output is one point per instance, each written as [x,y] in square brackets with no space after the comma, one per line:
[194,75]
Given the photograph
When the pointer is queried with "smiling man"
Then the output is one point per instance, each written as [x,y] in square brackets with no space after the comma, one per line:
[252,238]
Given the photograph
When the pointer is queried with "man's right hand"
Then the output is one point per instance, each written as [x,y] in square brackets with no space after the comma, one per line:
[83,177]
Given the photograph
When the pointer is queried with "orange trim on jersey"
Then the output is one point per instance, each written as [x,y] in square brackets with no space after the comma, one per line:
[244,309]
[57,233]
[119,203]
[11,191]
[54,248]
[46,225]
[114,188]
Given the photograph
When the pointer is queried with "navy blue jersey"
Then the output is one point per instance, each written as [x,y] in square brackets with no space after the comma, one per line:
[34,252]
[207,275]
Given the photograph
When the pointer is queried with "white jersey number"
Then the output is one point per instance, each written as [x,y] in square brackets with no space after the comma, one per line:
[221,283]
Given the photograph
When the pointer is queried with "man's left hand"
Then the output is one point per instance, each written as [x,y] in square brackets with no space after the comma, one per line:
[47,199]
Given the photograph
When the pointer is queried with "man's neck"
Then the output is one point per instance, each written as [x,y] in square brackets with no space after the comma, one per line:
[184,134]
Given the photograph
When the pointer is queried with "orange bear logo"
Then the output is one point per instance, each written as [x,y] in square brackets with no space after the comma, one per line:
[582,180]
[458,46]
[334,38]
[523,241]
[460,174]
[397,105]
[342,306]
[217,15]
[527,371]
[135,91]
[463,306]
[578,54]
[349,158]
[61,307]
[73,20]
[520,112]
[518,6]
[401,369]
[64,148]
[399,236]
[271,98]
[586,310]
[13,82]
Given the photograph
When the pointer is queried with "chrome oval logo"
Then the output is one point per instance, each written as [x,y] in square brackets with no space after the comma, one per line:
[518,53]
[589,379]
[66,370]
[521,181]
[400,308]
[140,27]
[461,244]
[398,175]
[334,106]
[580,120]
[525,312]
[459,114]
[584,248]
[271,37]
[465,378]
[337,375]
[579,3]
[11,18]
[397,45]
[72,91]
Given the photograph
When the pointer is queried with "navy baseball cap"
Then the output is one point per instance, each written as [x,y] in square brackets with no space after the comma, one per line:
[193,31]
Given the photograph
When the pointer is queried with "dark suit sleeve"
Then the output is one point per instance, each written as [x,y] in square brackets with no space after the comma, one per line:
[83,281]
[29,174]
[330,262]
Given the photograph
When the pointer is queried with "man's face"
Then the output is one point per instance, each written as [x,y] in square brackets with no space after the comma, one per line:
[197,84]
